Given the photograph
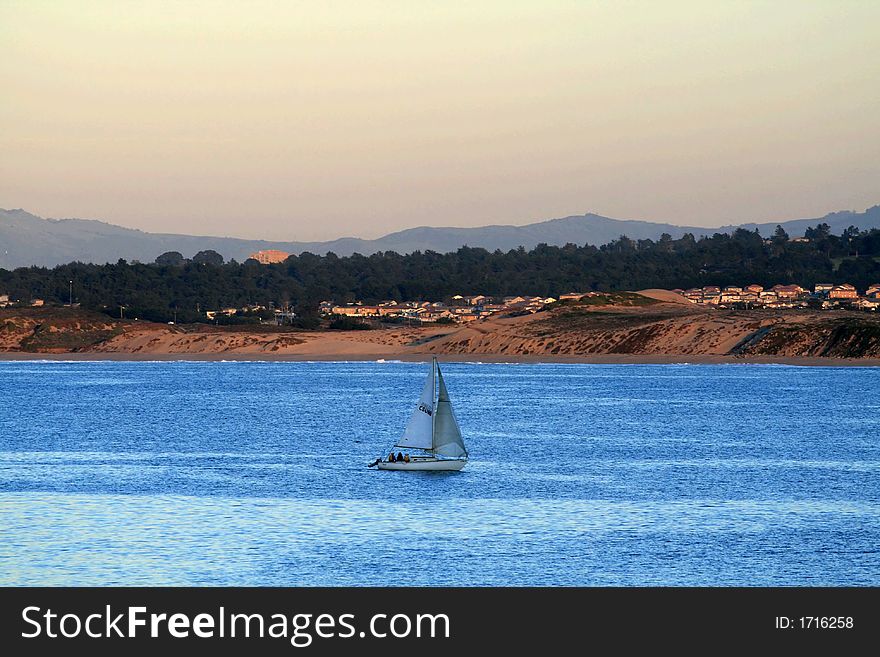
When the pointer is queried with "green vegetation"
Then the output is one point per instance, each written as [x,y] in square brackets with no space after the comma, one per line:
[242,318]
[837,338]
[345,323]
[58,329]
[156,291]
[836,262]
[69,340]
[611,299]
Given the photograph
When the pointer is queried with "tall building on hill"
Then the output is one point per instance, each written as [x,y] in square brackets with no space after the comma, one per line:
[269,256]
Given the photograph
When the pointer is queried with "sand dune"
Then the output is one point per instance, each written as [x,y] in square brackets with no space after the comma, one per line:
[666,329]
[664,295]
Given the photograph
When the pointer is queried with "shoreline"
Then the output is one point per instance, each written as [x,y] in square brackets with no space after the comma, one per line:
[660,333]
[591,359]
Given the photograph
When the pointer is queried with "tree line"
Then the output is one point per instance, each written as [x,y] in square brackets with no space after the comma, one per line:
[175,287]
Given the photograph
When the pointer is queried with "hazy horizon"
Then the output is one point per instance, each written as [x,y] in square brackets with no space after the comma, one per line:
[309,121]
[536,220]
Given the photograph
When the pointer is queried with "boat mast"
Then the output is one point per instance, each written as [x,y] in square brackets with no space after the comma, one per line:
[433,398]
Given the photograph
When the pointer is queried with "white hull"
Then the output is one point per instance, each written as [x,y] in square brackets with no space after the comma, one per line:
[434,465]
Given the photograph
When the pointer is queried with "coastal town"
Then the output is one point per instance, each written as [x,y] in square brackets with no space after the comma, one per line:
[823,295]
[464,309]
[460,309]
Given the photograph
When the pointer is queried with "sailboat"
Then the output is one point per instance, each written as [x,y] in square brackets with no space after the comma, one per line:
[432,439]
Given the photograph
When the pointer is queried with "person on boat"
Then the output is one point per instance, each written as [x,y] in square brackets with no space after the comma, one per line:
[399,456]
[391,457]
[406,458]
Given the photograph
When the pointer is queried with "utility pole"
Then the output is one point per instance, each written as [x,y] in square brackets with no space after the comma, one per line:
[71,294]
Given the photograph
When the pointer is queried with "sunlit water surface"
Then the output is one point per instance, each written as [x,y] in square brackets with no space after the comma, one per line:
[254,473]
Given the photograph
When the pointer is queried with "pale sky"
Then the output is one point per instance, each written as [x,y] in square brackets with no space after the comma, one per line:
[313,120]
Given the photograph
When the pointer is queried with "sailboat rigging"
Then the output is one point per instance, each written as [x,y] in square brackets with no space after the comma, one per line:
[432,438]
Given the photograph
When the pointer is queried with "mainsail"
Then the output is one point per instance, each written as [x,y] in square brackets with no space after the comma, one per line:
[447,435]
[420,428]
[432,426]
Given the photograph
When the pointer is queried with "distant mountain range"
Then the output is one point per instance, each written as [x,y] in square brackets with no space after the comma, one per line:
[26,239]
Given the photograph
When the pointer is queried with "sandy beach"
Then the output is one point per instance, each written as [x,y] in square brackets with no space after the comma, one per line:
[598,359]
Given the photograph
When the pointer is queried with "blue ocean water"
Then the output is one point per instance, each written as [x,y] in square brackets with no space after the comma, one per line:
[253,473]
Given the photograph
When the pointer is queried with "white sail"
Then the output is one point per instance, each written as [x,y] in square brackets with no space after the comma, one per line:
[447,435]
[419,429]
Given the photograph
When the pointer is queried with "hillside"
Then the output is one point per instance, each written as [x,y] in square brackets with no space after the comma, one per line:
[26,239]
[625,326]
[671,329]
